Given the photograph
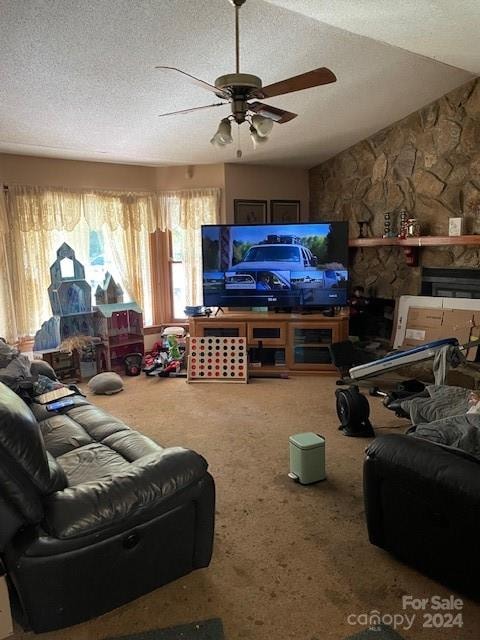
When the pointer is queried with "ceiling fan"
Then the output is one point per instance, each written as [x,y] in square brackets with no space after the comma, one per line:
[243,91]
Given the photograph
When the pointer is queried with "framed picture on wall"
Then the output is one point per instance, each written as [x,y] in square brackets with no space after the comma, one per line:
[250,211]
[283,211]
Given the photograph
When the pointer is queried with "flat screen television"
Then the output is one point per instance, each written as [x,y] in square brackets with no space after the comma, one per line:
[279,266]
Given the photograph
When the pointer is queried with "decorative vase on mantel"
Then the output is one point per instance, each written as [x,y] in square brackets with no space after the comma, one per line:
[387,226]
[413,228]
[403,226]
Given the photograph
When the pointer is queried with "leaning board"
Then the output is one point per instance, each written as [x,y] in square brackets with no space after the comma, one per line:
[216,359]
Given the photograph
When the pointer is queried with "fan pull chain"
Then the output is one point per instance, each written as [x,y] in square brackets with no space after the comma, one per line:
[239,151]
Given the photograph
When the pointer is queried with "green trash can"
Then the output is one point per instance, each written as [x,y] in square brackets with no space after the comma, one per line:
[307,457]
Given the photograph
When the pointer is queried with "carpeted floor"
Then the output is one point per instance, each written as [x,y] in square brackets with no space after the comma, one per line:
[290,562]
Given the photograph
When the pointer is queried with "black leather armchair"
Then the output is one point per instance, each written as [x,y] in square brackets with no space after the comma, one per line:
[92,513]
[422,504]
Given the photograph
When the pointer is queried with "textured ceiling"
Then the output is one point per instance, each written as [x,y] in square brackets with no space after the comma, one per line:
[445,30]
[78,81]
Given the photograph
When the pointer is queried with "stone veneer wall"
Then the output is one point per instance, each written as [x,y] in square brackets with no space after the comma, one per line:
[429,164]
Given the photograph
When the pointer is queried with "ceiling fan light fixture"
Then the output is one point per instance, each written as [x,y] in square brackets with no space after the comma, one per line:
[263,126]
[256,139]
[217,141]
[223,135]
[224,131]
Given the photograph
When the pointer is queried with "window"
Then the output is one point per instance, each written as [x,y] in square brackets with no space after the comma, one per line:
[92,251]
[176,269]
[110,231]
[177,273]
[101,251]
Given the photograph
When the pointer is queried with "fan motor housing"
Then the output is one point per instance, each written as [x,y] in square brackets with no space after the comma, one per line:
[235,81]
[241,87]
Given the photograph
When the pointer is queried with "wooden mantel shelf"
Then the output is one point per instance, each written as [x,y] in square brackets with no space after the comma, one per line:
[421,241]
[410,246]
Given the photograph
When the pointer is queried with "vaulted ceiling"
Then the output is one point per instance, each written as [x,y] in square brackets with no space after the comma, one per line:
[77,78]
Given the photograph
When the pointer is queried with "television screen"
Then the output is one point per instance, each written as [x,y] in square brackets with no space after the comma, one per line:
[275,265]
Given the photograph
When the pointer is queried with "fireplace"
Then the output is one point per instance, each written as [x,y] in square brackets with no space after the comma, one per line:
[450,283]
[373,318]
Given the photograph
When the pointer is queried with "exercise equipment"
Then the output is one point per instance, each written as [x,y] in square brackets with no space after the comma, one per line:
[352,407]
[400,359]
[353,412]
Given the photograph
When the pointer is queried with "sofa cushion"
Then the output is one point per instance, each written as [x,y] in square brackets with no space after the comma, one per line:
[92,462]
[90,444]
[106,383]
[62,434]
[105,428]
[139,492]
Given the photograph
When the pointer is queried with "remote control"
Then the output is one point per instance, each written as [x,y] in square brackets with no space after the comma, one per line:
[60,404]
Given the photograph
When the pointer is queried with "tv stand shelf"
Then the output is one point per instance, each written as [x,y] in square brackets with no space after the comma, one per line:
[279,342]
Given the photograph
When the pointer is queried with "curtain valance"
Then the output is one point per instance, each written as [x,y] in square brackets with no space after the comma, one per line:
[34,208]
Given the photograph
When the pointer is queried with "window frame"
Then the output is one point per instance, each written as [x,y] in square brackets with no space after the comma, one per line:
[161,276]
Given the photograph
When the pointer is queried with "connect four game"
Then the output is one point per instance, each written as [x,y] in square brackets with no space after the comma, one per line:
[215,359]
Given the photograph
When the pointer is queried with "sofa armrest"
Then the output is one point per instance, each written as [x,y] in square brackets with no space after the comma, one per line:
[422,503]
[415,460]
[92,506]
[404,476]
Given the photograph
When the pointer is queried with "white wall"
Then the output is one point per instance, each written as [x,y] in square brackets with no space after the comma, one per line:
[259,182]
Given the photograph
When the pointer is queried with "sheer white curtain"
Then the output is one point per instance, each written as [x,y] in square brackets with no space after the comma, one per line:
[42,218]
[78,239]
[37,219]
[8,325]
[130,253]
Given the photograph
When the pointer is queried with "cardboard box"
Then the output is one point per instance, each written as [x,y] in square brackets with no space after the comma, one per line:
[415,336]
[407,304]
[424,318]
[459,323]
[402,308]
[425,325]
[6,627]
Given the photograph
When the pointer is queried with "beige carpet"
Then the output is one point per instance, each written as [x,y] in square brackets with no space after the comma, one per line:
[290,562]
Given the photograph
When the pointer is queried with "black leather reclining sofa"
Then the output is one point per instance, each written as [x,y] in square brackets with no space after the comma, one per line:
[92,513]
[422,504]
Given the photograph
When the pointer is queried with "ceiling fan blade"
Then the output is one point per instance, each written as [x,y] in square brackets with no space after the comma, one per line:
[307,80]
[207,106]
[278,115]
[200,83]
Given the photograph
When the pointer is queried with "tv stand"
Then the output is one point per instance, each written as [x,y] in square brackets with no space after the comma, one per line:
[280,342]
